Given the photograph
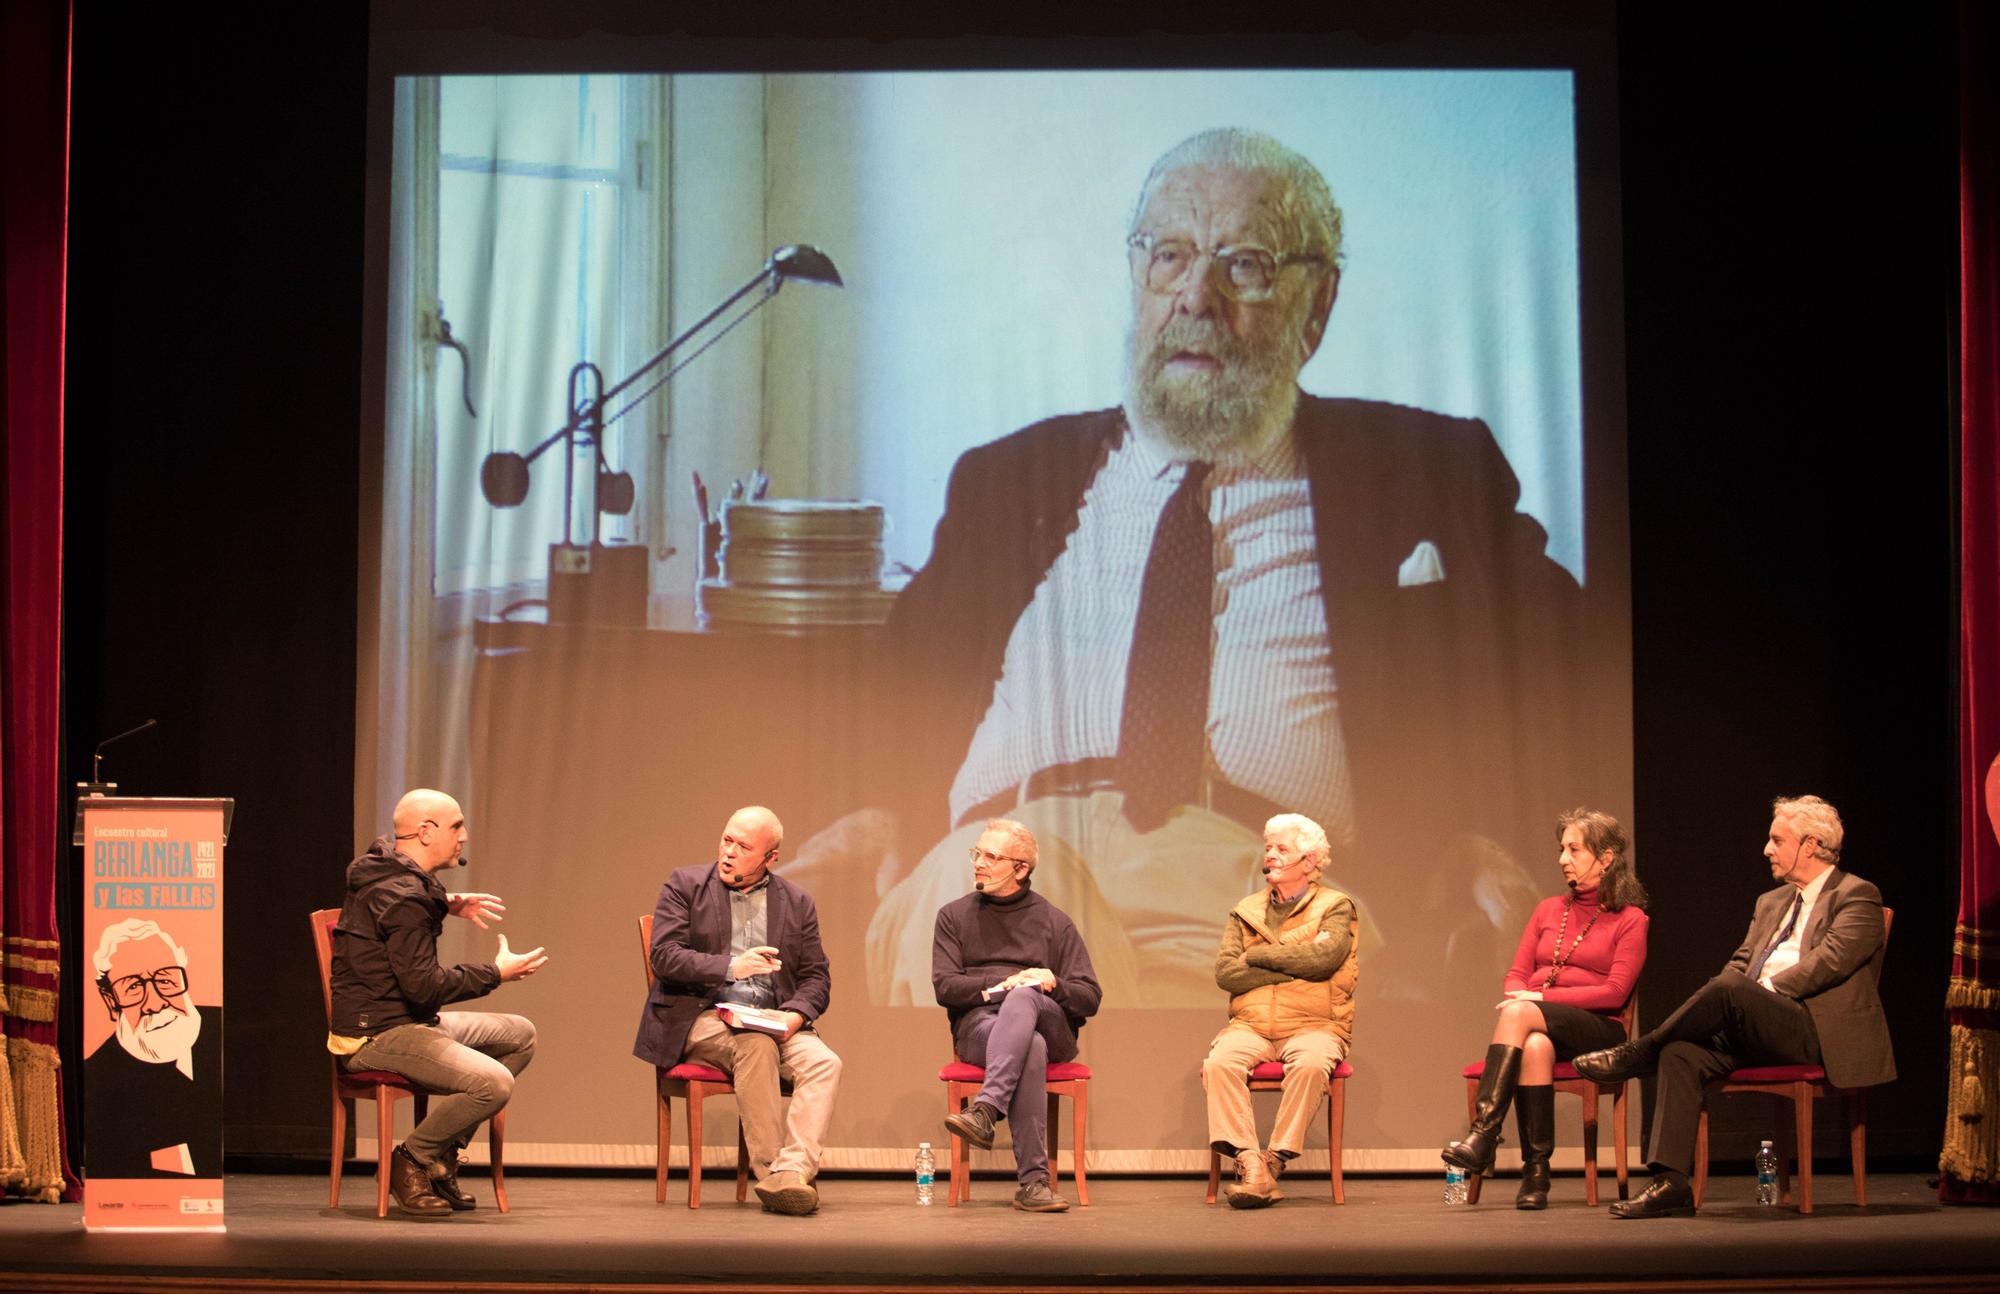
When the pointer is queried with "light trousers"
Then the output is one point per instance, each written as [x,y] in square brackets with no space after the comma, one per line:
[779,1140]
[1309,1060]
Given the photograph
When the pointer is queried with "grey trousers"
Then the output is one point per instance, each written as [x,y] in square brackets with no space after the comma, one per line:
[471,1057]
[1016,1046]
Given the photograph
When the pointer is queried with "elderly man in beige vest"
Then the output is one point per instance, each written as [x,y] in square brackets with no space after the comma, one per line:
[1288,963]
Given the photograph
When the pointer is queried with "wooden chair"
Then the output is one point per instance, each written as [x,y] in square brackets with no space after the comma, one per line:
[692,1084]
[383,1088]
[1569,1081]
[962,1082]
[1270,1077]
[1800,1085]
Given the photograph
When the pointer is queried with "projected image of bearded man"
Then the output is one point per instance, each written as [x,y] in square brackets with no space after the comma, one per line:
[153,1088]
[1147,630]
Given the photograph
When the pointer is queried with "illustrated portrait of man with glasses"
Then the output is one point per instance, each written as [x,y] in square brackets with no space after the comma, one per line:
[153,1089]
[1143,631]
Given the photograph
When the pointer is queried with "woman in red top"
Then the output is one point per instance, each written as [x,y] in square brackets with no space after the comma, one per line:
[1565,994]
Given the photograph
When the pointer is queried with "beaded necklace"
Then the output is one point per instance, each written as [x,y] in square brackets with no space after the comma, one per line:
[1561,957]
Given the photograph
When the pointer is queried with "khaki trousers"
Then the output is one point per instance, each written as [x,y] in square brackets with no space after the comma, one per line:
[755,1062]
[1309,1061]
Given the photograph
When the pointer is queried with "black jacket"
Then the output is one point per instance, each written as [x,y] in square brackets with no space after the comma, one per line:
[385,964]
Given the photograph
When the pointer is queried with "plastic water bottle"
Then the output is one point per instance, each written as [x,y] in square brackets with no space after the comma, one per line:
[926,1172]
[1767,1174]
[1454,1184]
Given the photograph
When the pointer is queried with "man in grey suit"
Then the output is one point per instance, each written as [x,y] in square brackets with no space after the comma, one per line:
[1800,991]
[733,943]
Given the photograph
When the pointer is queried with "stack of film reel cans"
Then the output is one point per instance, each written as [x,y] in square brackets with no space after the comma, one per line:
[797,566]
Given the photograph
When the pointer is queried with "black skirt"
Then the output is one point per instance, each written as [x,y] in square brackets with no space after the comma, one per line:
[1575,1031]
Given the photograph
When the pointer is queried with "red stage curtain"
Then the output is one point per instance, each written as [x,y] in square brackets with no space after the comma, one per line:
[34,138]
[1970,1163]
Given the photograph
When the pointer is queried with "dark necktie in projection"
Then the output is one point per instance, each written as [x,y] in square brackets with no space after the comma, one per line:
[1162,733]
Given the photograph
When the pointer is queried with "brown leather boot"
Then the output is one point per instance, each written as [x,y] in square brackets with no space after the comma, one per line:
[1254,1187]
[444,1183]
[410,1183]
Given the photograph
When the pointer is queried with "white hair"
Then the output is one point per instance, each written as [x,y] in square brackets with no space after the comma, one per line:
[1018,834]
[126,931]
[1305,208]
[1308,837]
[1808,815]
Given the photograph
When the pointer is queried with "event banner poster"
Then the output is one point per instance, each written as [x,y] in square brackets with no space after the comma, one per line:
[152,1016]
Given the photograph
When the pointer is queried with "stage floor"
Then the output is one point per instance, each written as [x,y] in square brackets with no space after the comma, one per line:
[591,1232]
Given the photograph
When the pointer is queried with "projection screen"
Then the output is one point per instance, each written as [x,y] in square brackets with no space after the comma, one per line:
[886,677]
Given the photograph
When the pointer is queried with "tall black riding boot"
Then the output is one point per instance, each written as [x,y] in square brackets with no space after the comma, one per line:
[1474,1153]
[1535,1114]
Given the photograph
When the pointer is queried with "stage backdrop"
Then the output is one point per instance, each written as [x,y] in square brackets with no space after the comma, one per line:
[980,223]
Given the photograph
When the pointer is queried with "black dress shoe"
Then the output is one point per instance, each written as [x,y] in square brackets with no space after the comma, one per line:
[974,1123]
[1616,1064]
[1665,1198]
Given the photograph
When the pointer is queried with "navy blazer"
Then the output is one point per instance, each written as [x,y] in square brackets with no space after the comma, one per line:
[1840,963]
[690,956]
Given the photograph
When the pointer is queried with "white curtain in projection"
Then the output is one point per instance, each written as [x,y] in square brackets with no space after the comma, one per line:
[980,222]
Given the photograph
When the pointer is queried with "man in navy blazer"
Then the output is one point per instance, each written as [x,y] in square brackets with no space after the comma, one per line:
[733,942]
[1800,991]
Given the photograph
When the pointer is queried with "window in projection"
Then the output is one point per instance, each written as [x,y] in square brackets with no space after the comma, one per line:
[1340,343]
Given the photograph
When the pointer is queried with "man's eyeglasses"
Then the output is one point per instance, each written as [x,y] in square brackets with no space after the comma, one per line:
[130,990]
[1249,273]
[976,854]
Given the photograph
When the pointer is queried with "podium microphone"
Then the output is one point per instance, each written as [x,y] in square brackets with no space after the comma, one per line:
[97,756]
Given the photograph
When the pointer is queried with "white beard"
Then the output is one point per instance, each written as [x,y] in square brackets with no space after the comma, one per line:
[171,1042]
[1230,415]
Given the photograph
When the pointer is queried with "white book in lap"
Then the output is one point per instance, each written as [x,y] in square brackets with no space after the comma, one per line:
[738,1016]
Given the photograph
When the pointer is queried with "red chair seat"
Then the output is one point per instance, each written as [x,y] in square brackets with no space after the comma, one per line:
[1564,1072]
[1273,1071]
[697,1074]
[959,1072]
[1779,1074]
[374,1076]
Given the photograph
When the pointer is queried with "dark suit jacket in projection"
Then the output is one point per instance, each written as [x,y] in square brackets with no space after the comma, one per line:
[1452,693]
[134,1107]
[1840,963]
[690,957]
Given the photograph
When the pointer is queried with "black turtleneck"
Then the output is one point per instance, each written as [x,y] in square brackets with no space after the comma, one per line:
[981,940]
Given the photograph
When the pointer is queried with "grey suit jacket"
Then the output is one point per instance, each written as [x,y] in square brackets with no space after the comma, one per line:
[1840,963]
[690,957]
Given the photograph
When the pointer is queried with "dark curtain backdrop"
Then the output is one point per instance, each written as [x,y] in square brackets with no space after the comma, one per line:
[1971,1160]
[1789,205]
[34,96]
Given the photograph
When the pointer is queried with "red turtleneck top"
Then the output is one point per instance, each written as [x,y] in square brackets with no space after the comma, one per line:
[1599,974]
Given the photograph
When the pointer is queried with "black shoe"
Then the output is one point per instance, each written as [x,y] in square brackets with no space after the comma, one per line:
[1616,1064]
[1535,1116]
[974,1124]
[410,1183]
[1474,1152]
[446,1187]
[1665,1198]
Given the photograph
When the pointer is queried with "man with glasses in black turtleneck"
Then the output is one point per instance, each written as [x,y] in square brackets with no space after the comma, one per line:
[1013,973]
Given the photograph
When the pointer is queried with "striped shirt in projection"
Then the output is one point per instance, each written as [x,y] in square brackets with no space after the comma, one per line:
[1273,718]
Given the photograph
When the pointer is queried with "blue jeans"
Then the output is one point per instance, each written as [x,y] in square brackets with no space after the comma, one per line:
[468,1060]
[1016,1045]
